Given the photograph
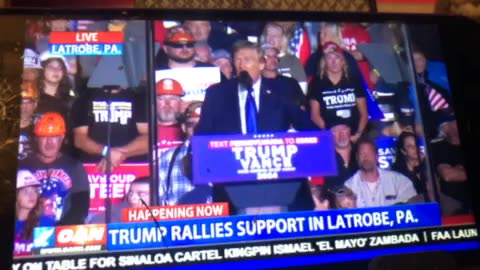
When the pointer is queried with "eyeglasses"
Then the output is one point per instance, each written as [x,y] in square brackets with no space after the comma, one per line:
[180,45]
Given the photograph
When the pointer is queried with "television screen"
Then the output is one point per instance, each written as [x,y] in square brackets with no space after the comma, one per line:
[223,140]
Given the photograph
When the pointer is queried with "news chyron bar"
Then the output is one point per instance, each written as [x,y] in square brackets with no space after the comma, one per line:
[215,232]
[186,236]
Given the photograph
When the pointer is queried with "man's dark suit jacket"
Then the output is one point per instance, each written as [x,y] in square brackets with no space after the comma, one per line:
[221,112]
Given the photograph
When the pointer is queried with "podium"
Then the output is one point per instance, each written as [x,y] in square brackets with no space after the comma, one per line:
[265,196]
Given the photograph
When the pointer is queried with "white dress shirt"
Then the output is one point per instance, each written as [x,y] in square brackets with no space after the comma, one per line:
[242,98]
[391,188]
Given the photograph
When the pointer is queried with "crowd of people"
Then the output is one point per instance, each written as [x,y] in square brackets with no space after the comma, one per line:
[275,77]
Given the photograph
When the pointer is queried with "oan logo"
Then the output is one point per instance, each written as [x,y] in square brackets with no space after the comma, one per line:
[81,235]
[43,237]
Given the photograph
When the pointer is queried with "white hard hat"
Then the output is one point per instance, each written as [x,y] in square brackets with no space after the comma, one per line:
[25,178]
[46,55]
[31,59]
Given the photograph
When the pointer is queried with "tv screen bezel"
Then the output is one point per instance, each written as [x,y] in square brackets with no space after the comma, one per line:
[454,36]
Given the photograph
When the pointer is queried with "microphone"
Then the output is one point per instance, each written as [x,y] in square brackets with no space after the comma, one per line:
[245,80]
[157,224]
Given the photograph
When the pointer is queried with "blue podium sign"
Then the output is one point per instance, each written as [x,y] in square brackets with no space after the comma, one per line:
[236,158]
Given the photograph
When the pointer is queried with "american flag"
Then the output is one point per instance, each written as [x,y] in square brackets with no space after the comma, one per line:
[300,45]
[436,100]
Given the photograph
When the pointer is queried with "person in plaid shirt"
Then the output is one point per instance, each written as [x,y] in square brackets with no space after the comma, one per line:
[175,164]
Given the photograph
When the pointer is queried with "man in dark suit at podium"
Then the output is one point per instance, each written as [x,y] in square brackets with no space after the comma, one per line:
[250,103]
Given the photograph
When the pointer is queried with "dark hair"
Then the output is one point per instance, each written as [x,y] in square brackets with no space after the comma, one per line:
[366,140]
[401,139]
[142,180]
[245,44]
[63,90]
[399,146]
[32,221]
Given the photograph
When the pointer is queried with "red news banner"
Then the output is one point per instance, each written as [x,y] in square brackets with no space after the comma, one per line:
[120,180]
[175,212]
[85,37]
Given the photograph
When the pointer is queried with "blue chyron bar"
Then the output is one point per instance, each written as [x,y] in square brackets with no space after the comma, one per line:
[86,49]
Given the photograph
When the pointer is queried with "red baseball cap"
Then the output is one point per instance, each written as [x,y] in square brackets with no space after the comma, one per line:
[332,47]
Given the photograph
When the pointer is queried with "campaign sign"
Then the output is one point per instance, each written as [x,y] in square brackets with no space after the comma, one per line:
[194,80]
[386,151]
[129,236]
[120,180]
[234,158]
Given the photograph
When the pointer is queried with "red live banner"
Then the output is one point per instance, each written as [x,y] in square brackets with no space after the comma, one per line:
[120,180]
[86,37]
[186,211]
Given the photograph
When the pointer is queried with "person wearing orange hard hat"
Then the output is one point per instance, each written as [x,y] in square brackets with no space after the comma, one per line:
[178,50]
[63,180]
[29,210]
[169,104]
[29,93]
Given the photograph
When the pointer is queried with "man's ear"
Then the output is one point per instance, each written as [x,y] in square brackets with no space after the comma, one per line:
[262,63]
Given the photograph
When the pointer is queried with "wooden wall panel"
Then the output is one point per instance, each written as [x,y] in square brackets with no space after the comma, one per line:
[311,5]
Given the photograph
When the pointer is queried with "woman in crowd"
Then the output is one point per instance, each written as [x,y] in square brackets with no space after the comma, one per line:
[55,87]
[345,198]
[410,162]
[29,212]
[334,97]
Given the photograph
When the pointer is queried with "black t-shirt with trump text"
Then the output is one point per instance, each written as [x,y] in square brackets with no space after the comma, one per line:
[338,103]
[126,110]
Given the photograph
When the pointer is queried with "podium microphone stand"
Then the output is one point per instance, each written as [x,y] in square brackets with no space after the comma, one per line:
[108,201]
